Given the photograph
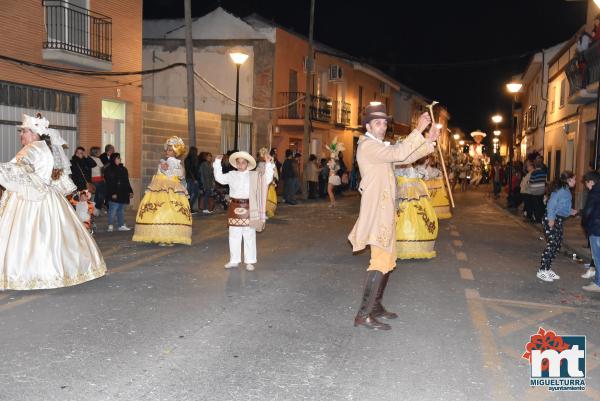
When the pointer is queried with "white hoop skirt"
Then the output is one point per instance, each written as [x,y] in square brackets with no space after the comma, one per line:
[42,242]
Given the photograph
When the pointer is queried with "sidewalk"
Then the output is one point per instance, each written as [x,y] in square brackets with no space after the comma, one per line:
[574,239]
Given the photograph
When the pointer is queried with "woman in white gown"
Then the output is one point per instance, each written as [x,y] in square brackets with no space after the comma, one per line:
[42,242]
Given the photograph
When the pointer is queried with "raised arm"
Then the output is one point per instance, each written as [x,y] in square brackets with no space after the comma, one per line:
[413,148]
[221,178]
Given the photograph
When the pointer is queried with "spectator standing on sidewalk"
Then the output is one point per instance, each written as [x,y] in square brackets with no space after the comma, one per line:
[98,180]
[591,223]
[191,177]
[497,177]
[525,195]
[312,176]
[81,169]
[118,192]
[559,208]
[207,178]
[290,175]
[108,151]
[537,189]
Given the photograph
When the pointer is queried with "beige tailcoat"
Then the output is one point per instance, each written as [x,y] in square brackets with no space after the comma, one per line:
[376,222]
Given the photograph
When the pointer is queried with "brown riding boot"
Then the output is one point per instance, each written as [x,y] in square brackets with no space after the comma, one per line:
[379,311]
[364,316]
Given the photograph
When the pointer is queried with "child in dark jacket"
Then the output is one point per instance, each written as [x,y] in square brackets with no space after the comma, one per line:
[591,224]
[558,209]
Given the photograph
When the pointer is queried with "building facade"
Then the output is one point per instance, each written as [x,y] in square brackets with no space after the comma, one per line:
[272,82]
[77,35]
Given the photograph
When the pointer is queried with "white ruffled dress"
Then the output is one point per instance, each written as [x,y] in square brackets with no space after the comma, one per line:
[42,242]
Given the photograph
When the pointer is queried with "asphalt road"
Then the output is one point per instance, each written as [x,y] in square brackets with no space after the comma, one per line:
[172,324]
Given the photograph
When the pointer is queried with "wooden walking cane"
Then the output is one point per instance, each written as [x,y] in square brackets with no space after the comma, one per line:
[430,107]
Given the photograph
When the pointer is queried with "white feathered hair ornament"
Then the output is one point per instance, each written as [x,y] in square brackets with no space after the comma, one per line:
[335,148]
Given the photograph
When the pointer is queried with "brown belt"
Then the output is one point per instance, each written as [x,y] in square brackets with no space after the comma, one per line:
[238,213]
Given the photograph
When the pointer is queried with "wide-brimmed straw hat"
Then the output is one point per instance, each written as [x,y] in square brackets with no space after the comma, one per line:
[375,111]
[478,133]
[242,155]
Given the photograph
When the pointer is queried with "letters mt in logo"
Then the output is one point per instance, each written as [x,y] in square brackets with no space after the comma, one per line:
[556,361]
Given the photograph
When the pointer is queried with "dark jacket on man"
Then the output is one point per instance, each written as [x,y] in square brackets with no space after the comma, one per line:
[590,217]
[81,171]
[105,158]
[117,183]
[289,169]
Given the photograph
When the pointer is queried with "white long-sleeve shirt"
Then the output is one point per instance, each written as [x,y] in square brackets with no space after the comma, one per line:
[239,181]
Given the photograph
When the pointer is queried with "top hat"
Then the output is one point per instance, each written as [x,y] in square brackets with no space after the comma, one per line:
[375,111]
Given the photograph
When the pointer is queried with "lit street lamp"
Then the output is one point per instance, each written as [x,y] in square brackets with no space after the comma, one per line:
[497,132]
[497,119]
[513,88]
[238,58]
[456,137]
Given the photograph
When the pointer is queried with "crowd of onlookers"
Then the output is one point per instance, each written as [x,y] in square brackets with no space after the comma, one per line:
[550,204]
[101,179]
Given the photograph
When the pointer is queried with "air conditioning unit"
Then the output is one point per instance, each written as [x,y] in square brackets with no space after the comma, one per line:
[305,65]
[335,72]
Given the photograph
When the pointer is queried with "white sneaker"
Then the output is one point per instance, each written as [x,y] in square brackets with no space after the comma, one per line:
[552,275]
[593,287]
[231,265]
[590,273]
[542,275]
[206,211]
[124,228]
[250,267]
[110,229]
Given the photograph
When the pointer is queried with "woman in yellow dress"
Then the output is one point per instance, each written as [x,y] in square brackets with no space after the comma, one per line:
[271,206]
[164,215]
[437,190]
[416,222]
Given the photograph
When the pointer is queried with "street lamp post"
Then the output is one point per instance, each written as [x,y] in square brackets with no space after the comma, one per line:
[238,58]
[513,88]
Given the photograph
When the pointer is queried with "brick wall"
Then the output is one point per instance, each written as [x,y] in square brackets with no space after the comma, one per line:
[22,33]
[160,122]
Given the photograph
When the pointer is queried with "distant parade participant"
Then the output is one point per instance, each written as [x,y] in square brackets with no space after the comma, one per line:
[375,225]
[164,216]
[43,244]
[246,213]
[416,221]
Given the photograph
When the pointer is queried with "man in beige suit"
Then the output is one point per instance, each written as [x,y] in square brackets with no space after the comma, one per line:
[375,225]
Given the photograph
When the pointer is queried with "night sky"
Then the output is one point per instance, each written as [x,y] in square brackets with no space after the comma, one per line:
[458,52]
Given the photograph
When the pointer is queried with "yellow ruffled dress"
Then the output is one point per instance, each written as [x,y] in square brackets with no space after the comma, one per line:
[439,198]
[416,222]
[271,201]
[164,214]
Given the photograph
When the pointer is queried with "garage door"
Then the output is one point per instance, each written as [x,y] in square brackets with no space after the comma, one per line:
[60,108]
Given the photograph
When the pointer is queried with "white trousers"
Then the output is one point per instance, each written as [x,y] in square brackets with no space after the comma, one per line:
[235,244]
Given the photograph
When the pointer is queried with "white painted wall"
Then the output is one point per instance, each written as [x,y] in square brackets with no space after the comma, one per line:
[169,87]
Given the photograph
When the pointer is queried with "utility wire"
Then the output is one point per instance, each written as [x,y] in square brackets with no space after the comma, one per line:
[225,95]
[88,72]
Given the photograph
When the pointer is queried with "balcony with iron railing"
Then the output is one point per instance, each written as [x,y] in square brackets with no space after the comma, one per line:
[76,35]
[530,119]
[583,72]
[320,107]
